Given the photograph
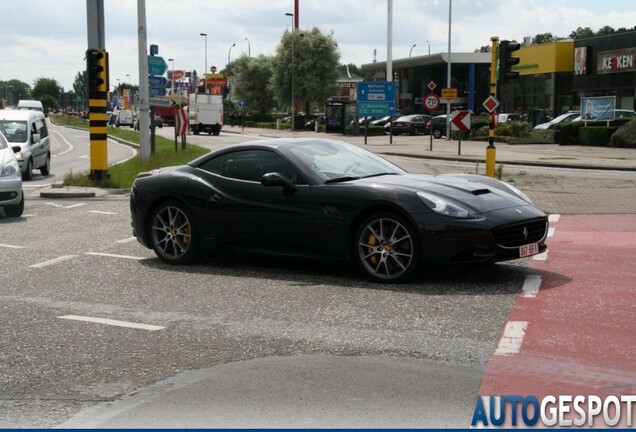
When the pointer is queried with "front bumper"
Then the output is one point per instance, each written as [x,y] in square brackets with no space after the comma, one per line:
[10,190]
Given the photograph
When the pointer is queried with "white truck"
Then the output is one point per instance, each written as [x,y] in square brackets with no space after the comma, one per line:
[205,113]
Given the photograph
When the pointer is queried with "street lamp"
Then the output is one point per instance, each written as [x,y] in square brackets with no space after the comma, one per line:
[289,14]
[249,49]
[411,50]
[228,54]
[206,60]
[171,74]
[429,47]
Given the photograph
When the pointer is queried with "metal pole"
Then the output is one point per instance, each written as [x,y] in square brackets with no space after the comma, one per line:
[389,41]
[491,151]
[144,143]
[205,71]
[448,74]
[411,50]
[292,70]
[249,49]
[172,78]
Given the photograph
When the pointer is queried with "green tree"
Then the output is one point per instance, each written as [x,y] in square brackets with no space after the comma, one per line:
[14,90]
[80,86]
[605,30]
[46,90]
[312,68]
[542,38]
[582,33]
[484,49]
[250,82]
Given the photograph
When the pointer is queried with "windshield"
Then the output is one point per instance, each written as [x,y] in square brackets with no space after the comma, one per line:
[338,160]
[14,131]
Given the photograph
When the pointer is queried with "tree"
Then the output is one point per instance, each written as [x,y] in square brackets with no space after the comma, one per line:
[47,90]
[582,33]
[14,90]
[250,82]
[542,38]
[484,49]
[606,30]
[312,69]
[80,86]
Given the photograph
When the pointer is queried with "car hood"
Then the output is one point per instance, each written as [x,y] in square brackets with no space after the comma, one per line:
[5,156]
[477,193]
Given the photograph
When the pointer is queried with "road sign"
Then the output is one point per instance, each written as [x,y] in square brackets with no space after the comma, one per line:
[460,120]
[376,98]
[157,81]
[431,85]
[449,93]
[176,75]
[156,91]
[491,103]
[157,65]
[161,101]
[431,101]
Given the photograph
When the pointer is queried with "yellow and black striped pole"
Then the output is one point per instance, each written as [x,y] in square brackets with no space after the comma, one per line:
[97,65]
[491,151]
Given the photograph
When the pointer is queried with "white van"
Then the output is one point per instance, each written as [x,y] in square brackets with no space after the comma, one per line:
[28,135]
[125,118]
[26,104]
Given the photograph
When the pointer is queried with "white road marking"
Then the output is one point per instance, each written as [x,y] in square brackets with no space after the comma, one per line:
[554,217]
[112,322]
[70,146]
[551,232]
[531,285]
[541,257]
[12,246]
[115,256]
[128,240]
[102,212]
[510,342]
[75,205]
[53,261]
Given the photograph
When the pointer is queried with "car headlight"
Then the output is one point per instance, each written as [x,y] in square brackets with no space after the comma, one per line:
[444,207]
[10,168]
[518,192]
[18,155]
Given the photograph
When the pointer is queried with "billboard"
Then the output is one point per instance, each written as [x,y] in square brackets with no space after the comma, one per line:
[598,108]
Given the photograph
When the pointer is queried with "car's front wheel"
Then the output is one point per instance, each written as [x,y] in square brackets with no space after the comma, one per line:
[386,248]
[46,168]
[437,133]
[15,210]
[28,173]
[174,234]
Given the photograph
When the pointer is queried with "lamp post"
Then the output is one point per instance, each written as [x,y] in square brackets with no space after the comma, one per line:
[411,50]
[228,54]
[171,73]
[118,87]
[205,35]
[249,49]
[289,14]
[429,47]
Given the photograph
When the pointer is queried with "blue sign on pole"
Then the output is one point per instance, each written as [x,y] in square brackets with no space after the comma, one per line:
[156,91]
[376,98]
[157,65]
[157,81]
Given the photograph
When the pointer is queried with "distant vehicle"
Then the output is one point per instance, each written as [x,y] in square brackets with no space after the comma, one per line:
[205,113]
[411,124]
[11,195]
[29,104]
[567,117]
[158,122]
[507,118]
[618,113]
[125,118]
[382,121]
[28,134]
[438,126]
[311,123]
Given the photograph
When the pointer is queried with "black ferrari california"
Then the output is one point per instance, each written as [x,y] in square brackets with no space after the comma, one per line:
[320,198]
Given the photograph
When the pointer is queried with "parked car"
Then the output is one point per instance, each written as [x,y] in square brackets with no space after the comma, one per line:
[11,194]
[28,135]
[325,198]
[411,124]
[507,118]
[383,120]
[567,117]
[438,126]
[311,123]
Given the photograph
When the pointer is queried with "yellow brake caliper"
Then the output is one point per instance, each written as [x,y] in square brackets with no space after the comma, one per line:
[372,241]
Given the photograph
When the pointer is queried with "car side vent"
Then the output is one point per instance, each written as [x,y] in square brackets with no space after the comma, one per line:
[481,191]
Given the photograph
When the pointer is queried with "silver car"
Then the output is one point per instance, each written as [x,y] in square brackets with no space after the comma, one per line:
[11,195]
[27,132]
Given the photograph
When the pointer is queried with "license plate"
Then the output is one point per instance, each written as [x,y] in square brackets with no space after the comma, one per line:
[529,249]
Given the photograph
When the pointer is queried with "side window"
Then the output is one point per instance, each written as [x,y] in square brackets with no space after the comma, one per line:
[214,166]
[42,130]
[250,165]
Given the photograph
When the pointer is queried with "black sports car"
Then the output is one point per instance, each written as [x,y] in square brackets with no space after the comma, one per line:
[330,199]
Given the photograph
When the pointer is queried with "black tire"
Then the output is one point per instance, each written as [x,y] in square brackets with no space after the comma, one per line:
[173,233]
[195,131]
[46,168]
[28,173]
[216,133]
[16,210]
[413,131]
[437,133]
[385,248]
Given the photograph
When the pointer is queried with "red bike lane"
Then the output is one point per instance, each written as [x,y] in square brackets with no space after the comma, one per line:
[572,330]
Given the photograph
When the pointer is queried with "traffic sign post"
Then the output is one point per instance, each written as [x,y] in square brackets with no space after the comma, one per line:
[375,99]
[431,103]
[460,121]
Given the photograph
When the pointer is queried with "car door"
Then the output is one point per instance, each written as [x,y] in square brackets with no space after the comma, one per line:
[257,217]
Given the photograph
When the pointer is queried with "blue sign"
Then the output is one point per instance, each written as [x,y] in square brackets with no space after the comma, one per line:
[157,81]
[156,91]
[376,98]
[598,108]
[157,65]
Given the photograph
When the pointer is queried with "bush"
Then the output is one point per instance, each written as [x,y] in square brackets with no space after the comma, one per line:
[625,136]
[515,129]
[596,136]
[567,133]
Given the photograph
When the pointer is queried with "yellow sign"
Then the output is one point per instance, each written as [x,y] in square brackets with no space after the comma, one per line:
[449,93]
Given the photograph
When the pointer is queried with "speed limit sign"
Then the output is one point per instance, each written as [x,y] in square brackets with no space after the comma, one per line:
[431,102]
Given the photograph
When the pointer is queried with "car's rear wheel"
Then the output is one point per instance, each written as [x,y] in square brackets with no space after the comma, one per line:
[46,168]
[15,210]
[437,133]
[174,234]
[386,248]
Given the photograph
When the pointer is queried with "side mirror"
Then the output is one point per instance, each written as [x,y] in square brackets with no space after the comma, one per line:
[35,138]
[16,149]
[275,179]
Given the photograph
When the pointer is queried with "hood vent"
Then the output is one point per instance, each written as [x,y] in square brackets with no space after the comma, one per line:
[481,191]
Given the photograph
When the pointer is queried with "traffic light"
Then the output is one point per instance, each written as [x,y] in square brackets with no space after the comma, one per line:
[97,66]
[506,61]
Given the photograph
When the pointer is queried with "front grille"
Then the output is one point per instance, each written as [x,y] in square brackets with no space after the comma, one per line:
[520,234]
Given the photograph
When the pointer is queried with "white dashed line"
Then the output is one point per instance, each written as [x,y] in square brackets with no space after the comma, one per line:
[12,246]
[554,217]
[543,256]
[111,322]
[531,285]
[53,261]
[510,342]
[115,256]
[102,212]
[128,240]
[551,232]
[75,205]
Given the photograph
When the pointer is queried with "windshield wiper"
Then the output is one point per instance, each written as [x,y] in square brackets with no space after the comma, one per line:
[380,174]
[342,179]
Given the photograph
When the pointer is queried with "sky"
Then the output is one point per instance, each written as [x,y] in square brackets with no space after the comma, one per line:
[48,38]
